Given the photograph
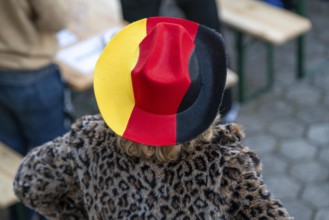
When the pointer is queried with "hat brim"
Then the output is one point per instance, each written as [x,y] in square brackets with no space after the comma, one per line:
[115,96]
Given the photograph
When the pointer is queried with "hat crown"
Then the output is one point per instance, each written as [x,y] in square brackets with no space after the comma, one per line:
[173,92]
[161,76]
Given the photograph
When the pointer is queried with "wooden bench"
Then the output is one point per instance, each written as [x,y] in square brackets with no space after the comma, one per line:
[90,18]
[9,162]
[266,23]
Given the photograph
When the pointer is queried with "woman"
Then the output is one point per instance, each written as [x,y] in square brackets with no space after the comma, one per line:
[157,150]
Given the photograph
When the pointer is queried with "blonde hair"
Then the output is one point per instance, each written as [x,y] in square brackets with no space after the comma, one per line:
[167,153]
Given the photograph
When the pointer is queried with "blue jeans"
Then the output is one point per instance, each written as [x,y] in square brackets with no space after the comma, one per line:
[31,109]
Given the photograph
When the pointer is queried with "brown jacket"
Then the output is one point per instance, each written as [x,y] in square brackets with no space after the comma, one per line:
[28,32]
[83,175]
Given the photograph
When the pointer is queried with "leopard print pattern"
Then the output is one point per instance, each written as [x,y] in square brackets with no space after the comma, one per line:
[82,176]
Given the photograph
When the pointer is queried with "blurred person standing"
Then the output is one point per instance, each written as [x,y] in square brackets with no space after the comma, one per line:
[201,11]
[31,87]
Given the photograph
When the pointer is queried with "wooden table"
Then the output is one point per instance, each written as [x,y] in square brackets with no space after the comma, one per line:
[9,162]
[90,18]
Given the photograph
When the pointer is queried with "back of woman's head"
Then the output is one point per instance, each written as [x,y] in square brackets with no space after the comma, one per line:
[166,153]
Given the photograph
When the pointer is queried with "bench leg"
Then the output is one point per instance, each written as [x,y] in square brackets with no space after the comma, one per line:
[301,10]
[301,57]
[20,211]
[240,48]
[270,66]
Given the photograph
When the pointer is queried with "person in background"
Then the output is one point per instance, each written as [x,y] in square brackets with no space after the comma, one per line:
[286,4]
[31,88]
[201,11]
[157,150]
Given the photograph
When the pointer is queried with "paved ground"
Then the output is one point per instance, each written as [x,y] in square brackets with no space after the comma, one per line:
[289,126]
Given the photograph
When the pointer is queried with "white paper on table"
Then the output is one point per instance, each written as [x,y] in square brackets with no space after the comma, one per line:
[84,55]
[66,37]
[109,34]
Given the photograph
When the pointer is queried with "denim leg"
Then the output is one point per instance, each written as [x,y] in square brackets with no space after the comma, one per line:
[201,11]
[10,132]
[42,118]
[36,109]
[31,113]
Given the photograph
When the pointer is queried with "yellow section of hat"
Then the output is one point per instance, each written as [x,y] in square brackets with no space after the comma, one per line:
[112,76]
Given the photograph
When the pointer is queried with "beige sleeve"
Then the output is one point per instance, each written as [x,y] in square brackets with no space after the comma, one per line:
[51,15]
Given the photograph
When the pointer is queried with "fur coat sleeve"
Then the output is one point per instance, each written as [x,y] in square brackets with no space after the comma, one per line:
[46,181]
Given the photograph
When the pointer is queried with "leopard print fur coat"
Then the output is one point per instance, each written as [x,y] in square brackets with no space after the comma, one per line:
[82,176]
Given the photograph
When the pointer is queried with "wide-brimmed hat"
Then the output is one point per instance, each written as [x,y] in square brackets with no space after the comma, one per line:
[160,80]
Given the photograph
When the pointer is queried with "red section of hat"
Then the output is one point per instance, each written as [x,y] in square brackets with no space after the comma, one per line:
[160,78]
[151,129]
